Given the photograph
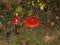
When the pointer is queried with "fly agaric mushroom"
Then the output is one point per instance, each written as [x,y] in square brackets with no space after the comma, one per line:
[32,22]
[16,20]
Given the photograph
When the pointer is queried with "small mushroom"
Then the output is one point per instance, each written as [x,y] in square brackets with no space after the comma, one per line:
[16,20]
[32,22]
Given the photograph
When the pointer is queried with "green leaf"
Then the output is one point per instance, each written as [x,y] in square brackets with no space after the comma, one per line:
[20,10]
[30,13]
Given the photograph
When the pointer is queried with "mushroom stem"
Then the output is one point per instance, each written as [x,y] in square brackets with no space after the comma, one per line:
[15,28]
[32,28]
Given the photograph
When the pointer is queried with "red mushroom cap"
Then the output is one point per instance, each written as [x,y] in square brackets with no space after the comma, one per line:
[16,20]
[32,22]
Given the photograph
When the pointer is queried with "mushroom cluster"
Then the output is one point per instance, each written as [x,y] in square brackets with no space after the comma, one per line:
[29,21]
